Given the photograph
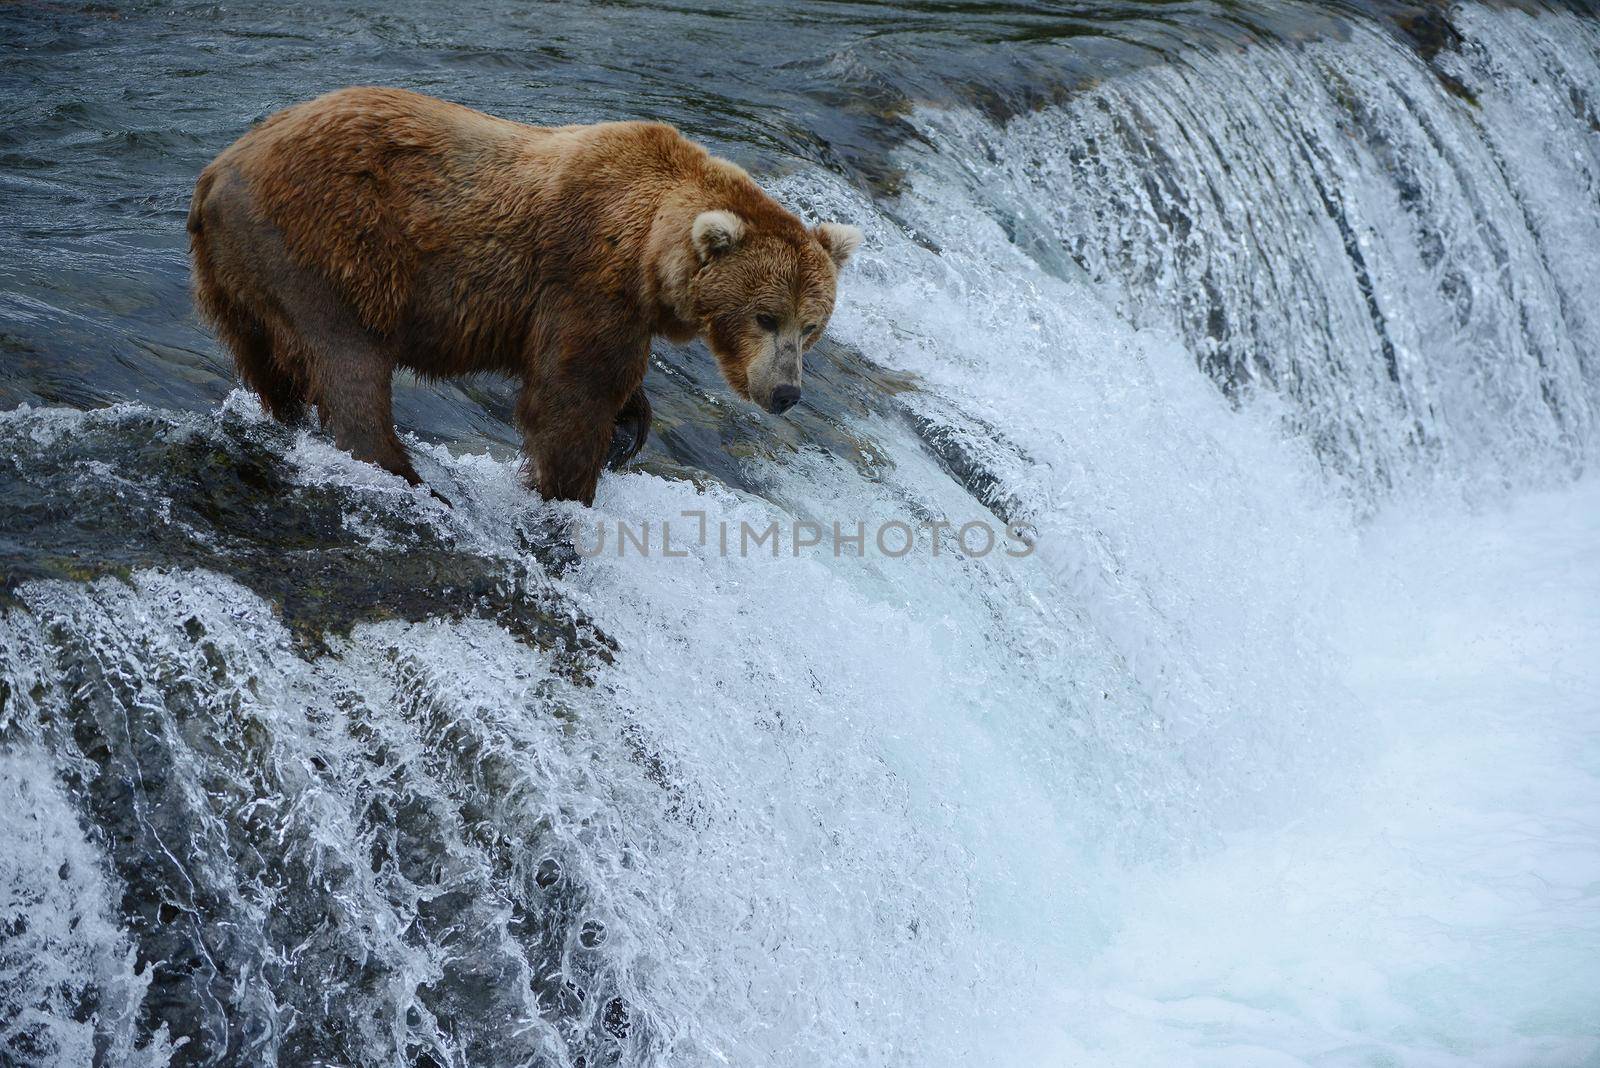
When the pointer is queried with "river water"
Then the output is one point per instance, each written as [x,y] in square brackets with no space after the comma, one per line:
[1272,326]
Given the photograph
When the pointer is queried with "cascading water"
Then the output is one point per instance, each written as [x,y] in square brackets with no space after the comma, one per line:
[1264,751]
[1405,253]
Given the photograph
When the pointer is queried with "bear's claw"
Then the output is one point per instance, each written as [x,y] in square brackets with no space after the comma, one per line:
[632,430]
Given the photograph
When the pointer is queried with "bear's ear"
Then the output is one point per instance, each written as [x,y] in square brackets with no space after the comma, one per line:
[716,232]
[840,240]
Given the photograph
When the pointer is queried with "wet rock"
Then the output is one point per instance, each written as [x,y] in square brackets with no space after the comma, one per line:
[1428,29]
[616,1018]
[703,431]
[136,490]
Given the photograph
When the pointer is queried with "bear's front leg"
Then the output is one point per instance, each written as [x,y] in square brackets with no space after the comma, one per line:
[632,429]
[569,410]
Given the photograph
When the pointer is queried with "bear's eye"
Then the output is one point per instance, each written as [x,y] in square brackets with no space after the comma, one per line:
[811,328]
[768,323]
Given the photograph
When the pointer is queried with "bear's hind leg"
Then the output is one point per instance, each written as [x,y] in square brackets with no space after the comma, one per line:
[349,374]
[355,402]
[295,340]
[282,394]
[281,390]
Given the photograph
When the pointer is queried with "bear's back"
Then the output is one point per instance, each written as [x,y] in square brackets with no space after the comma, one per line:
[365,183]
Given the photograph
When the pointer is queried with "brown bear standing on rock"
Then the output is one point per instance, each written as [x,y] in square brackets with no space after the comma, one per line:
[371,229]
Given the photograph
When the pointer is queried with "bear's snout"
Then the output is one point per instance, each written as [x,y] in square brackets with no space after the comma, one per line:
[783,398]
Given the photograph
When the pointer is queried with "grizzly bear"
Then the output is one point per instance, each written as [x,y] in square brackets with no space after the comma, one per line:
[371,229]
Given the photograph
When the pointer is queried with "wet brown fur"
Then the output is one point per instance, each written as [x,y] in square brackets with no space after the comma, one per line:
[371,229]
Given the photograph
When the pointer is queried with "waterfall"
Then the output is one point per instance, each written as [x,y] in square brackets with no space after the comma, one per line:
[1401,250]
[303,766]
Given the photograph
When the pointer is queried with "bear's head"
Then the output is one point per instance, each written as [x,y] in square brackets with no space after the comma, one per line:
[762,296]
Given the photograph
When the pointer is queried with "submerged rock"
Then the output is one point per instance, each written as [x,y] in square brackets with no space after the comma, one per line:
[127,488]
